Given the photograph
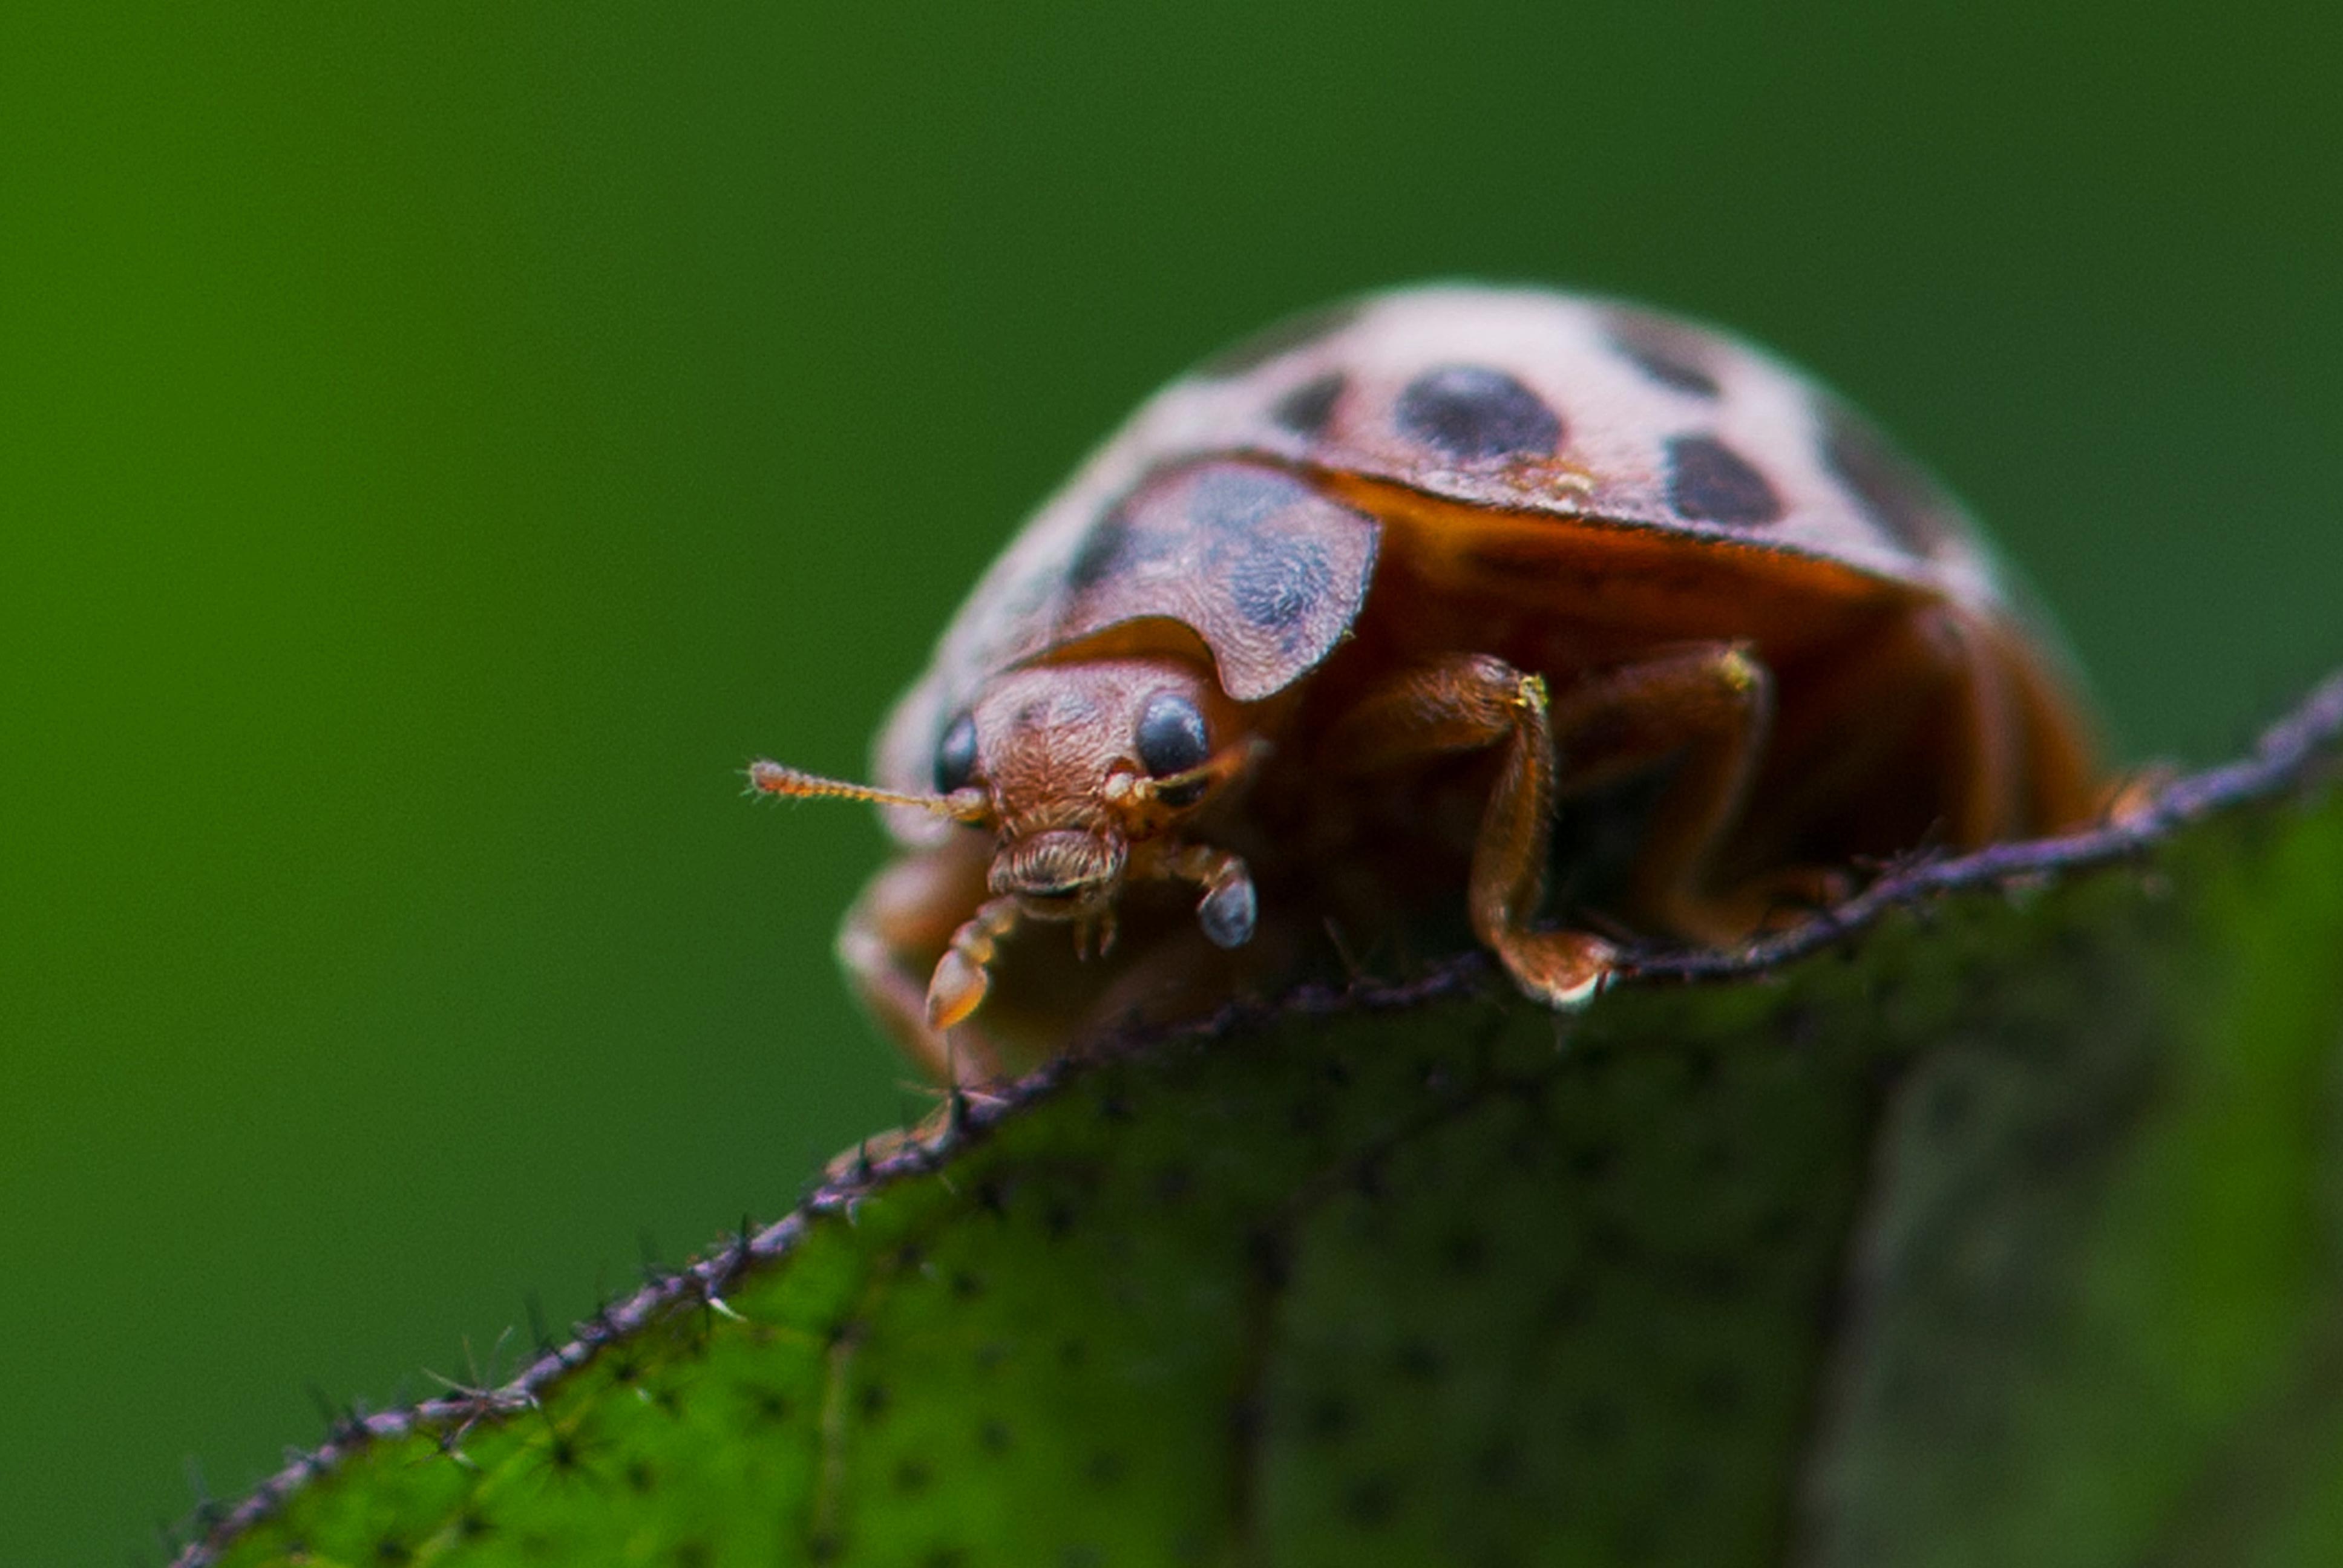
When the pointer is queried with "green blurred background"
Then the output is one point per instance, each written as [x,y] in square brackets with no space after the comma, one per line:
[439,444]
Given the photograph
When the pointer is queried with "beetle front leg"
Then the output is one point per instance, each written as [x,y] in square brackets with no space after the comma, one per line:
[965,971]
[1467,703]
[908,913]
[1228,908]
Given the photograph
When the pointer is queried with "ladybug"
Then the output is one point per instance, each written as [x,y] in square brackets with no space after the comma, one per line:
[1310,661]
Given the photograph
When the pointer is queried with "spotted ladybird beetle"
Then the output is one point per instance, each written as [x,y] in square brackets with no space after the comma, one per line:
[1406,609]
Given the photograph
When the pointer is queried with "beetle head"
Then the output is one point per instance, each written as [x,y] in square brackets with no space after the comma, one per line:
[1083,768]
[1085,764]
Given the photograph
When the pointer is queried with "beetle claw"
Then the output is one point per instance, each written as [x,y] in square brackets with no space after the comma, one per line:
[1228,910]
[956,989]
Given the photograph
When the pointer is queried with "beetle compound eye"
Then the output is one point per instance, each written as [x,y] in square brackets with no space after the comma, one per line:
[1171,738]
[956,756]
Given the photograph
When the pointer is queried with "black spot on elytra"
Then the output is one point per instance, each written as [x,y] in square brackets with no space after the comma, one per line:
[1280,338]
[1472,414]
[1234,500]
[1275,582]
[1103,551]
[1306,408]
[1115,545]
[1896,495]
[1709,482]
[1274,577]
[992,1436]
[874,1401]
[912,1476]
[1670,353]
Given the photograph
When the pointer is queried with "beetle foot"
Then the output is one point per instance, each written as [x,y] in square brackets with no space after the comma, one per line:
[1562,970]
[956,989]
[2131,797]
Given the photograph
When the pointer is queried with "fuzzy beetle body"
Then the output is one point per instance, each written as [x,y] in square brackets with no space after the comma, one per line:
[1308,655]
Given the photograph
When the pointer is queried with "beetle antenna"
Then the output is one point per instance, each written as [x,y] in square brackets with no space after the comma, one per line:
[770,778]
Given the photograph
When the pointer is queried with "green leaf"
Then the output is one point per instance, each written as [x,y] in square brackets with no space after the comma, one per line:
[1996,1222]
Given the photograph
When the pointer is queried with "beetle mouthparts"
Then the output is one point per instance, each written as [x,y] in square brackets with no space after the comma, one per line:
[1062,867]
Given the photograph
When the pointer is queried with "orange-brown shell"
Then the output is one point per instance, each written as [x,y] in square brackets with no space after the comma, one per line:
[1211,507]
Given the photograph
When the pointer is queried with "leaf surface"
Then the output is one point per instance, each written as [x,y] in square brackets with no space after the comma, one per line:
[1999,1222]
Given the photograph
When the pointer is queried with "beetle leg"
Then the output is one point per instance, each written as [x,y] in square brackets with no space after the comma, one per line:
[1710,707]
[908,911]
[1094,934]
[1985,804]
[1228,910]
[1953,727]
[2024,762]
[1466,703]
[964,973]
